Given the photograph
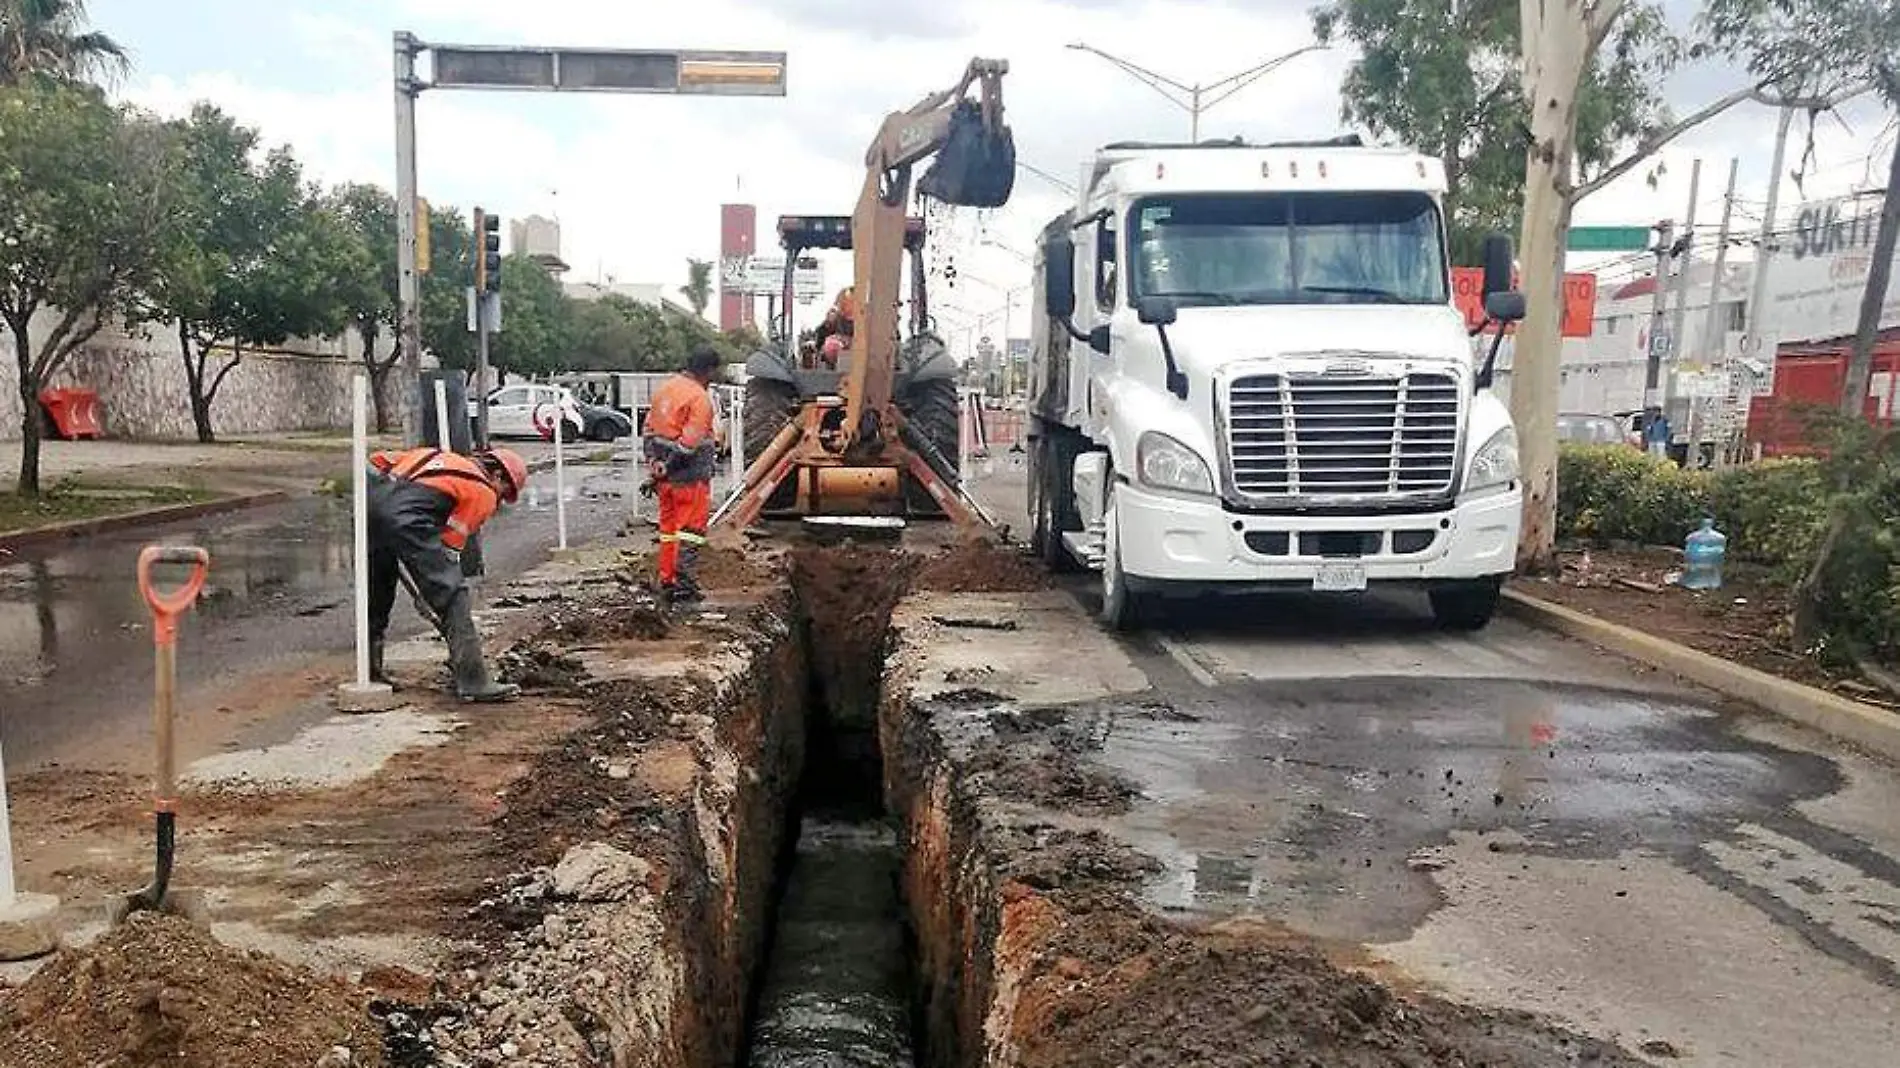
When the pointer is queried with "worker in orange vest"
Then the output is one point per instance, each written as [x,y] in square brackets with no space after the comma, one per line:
[424,505]
[681,455]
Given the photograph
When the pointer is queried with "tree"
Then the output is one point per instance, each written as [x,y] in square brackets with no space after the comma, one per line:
[1560,41]
[698,287]
[48,38]
[253,260]
[1445,79]
[366,281]
[88,193]
[443,291]
[1833,48]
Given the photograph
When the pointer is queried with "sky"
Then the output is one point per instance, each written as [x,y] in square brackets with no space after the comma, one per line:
[637,181]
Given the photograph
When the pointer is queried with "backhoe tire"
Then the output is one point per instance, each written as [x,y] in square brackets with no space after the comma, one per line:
[931,409]
[769,405]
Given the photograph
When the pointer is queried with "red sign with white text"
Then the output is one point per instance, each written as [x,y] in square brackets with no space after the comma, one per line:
[1580,299]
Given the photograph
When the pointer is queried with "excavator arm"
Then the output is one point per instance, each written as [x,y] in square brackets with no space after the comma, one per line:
[981,174]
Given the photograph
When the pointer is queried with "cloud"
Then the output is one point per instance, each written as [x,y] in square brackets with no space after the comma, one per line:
[637,180]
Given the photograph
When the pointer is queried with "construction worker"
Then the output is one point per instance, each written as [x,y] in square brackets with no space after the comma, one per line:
[424,505]
[681,456]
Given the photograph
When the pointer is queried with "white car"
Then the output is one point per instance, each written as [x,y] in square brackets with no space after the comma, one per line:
[512,410]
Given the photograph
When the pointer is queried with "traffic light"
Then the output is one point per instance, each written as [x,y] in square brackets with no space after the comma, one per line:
[487,252]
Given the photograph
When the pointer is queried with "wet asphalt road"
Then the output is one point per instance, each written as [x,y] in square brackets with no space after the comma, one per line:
[1518,819]
[75,639]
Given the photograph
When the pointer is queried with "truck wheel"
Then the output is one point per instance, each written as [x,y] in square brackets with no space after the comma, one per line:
[1468,605]
[603,430]
[1123,610]
[1050,510]
[931,409]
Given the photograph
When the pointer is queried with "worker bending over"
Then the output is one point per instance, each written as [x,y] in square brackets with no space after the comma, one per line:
[681,455]
[424,505]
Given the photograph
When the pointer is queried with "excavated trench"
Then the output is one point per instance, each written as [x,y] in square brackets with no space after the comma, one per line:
[836,984]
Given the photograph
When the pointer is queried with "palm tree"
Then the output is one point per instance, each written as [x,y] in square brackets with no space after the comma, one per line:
[49,37]
[698,287]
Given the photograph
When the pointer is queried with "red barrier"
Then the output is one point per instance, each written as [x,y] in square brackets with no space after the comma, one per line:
[75,412]
[1003,428]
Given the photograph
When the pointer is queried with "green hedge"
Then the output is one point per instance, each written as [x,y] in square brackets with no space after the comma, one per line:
[1773,512]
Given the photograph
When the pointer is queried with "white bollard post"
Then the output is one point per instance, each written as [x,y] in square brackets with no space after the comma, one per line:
[361,695]
[965,431]
[735,435]
[27,921]
[6,843]
[560,478]
[443,439]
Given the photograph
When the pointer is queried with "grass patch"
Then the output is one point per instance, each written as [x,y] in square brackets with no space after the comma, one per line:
[67,502]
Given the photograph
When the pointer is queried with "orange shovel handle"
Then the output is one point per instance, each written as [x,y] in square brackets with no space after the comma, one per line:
[168,605]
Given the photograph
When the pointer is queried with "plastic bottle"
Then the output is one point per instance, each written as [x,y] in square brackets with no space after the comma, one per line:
[1702,553]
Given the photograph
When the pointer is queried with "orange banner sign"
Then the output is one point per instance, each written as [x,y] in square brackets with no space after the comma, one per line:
[1580,299]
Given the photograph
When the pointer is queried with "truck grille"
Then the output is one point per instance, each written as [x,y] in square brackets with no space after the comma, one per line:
[1343,435]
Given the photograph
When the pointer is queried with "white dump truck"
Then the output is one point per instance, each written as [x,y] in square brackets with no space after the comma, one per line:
[1248,373]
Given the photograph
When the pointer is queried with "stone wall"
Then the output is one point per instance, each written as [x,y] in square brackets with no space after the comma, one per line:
[140,378]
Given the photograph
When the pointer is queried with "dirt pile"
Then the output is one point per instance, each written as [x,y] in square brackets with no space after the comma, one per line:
[978,567]
[1225,999]
[158,991]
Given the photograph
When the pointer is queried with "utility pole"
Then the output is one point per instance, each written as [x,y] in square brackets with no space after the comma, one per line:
[1758,344]
[408,304]
[1712,334]
[1678,318]
[1658,340]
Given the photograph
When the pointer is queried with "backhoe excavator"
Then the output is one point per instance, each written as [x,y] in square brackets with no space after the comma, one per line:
[856,445]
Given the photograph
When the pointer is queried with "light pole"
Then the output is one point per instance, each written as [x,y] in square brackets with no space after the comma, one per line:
[1199,97]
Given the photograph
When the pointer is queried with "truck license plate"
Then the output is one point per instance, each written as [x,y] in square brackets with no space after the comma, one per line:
[1340,578]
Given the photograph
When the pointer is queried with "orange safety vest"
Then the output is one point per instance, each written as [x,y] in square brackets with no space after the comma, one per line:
[453,475]
[682,411]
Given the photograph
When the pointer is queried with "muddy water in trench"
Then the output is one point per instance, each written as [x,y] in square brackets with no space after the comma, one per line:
[836,988]
[836,985]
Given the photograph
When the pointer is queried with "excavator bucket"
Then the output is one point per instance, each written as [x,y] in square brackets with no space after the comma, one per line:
[976,167]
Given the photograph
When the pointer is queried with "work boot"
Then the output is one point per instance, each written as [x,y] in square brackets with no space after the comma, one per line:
[473,683]
[376,671]
[681,592]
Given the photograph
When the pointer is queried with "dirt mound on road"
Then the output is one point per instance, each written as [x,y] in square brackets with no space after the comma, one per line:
[1125,989]
[158,991]
[977,567]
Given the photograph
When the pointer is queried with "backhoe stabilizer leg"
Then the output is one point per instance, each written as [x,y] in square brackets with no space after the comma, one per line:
[762,479]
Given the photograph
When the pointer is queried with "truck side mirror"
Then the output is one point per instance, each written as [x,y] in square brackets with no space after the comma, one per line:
[1499,264]
[1155,311]
[1504,307]
[1099,340]
[1058,278]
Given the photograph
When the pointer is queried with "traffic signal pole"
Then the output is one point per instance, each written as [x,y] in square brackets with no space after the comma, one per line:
[409,310]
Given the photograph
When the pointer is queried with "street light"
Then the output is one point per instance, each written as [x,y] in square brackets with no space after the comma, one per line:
[1199,97]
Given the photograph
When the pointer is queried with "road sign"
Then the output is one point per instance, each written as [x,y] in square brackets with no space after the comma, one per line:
[603,70]
[1608,238]
[764,276]
[1659,344]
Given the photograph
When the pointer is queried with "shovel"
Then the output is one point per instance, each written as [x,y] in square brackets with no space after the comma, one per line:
[166,606]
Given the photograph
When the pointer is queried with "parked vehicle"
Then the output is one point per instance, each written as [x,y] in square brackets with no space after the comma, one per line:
[1579,429]
[512,410]
[1247,372]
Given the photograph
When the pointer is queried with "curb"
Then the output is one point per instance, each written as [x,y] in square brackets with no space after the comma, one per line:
[1872,728]
[80,528]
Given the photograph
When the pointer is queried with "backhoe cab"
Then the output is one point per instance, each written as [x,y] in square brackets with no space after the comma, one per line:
[872,430]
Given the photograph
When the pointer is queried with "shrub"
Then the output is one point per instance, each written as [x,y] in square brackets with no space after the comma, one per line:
[1611,493]
[1774,513]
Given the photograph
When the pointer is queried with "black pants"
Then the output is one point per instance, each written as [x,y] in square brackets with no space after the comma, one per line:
[405,526]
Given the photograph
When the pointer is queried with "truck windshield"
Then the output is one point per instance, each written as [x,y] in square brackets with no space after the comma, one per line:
[1289,248]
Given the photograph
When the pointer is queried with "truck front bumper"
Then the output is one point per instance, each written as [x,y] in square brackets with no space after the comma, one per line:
[1167,540]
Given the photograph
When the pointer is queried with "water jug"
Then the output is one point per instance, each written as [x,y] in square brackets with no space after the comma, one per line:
[1702,553]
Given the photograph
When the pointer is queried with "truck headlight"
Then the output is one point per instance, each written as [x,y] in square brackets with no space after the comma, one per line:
[1495,463]
[1165,463]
